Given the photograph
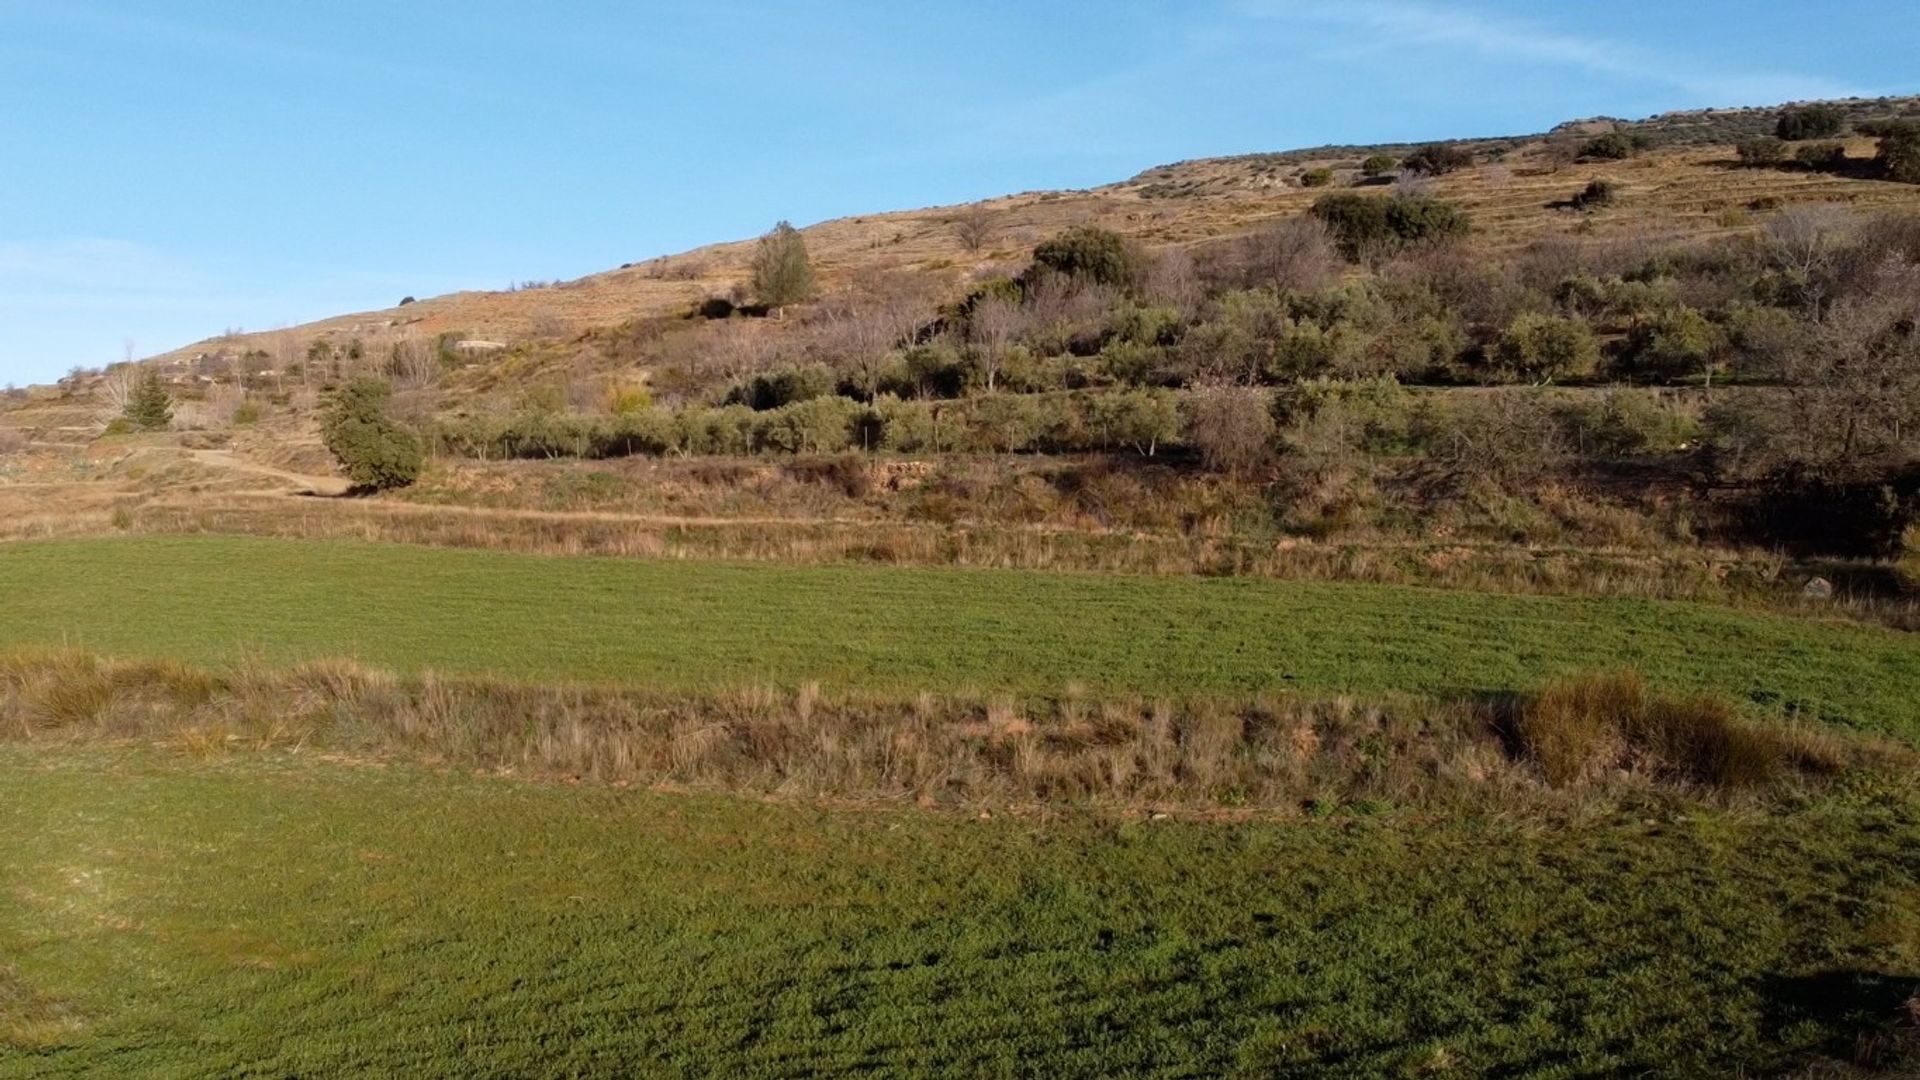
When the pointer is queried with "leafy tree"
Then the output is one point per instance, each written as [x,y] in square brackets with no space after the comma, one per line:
[1810,122]
[782,273]
[1089,253]
[148,406]
[1438,159]
[376,451]
[1545,347]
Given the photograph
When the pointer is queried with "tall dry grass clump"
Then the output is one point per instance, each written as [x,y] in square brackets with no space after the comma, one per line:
[1269,753]
[1582,729]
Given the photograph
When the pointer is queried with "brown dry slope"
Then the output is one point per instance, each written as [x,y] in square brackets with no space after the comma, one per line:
[1687,185]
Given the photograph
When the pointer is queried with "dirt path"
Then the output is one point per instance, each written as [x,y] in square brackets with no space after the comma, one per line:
[302,484]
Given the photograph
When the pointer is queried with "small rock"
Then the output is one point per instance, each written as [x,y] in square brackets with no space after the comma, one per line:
[1818,589]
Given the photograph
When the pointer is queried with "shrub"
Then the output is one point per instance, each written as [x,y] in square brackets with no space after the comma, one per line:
[1320,177]
[1363,224]
[1088,253]
[1627,423]
[1438,159]
[1139,419]
[1599,192]
[376,451]
[782,273]
[148,407]
[1378,165]
[1613,146]
[1809,122]
[1005,423]
[1824,156]
[1544,347]
[1231,426]
[1909,565]
[783,386]
[1674,344]
[820,425]
[1899,154]
[245,413]
[1585,728]
[626,399]
[1761,151]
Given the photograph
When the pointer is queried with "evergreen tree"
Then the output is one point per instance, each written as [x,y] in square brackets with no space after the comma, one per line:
[149,408]
[377,451]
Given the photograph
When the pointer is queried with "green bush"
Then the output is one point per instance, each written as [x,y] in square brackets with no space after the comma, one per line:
[1627,423]
[1824,156]
[1761,151]
[1320,177]
[1367,223]
[247,412]
[1899,153]
[1544,347]
[1089,253]
[1613,146]
[1675,343]
[1810,122]
[1142,420]
[376,451]
[782,387]
[1438,159]
[1599,192]
[1379,165]
[821,425]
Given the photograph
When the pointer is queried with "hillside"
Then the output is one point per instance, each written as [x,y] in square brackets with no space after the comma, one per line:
[1684,188]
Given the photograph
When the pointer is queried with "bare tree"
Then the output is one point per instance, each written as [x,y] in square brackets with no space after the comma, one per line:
[1807,241]
[118,387]
[1172,279]
[996,322]
[1231,426]
[878,315]
[1294,255]
[412,363]
[740,349]
[974,227]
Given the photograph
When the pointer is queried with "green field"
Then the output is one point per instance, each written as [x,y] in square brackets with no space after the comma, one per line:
[266,915]
[690,624]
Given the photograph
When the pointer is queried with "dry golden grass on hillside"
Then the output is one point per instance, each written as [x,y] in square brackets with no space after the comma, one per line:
[1685,192]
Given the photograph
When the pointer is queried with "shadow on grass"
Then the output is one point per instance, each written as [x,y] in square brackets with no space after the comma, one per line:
[1869,1022]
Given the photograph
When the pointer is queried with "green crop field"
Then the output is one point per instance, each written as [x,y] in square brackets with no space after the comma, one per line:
[267,915]
[689,624]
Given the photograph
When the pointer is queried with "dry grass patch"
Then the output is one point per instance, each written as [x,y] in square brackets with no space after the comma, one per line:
[1585,728]
[1598,736]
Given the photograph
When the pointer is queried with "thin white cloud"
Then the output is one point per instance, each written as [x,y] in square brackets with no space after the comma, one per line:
[1407,23]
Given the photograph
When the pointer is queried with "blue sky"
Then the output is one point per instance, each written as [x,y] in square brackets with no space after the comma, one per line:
[171,169]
